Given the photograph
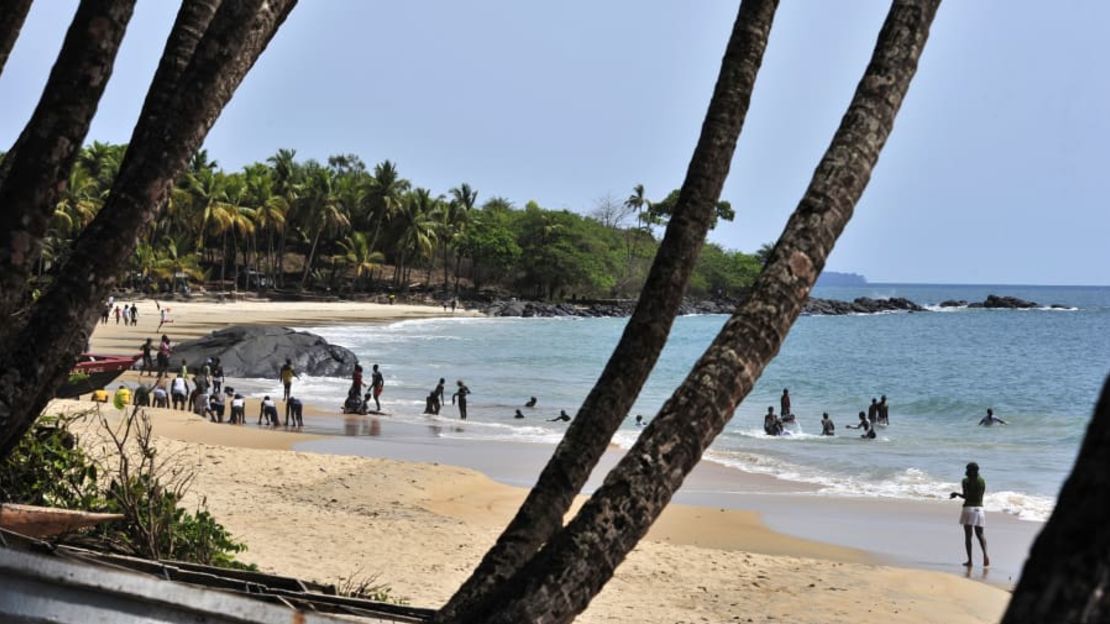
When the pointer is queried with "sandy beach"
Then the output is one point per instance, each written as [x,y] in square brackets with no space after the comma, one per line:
[421,520]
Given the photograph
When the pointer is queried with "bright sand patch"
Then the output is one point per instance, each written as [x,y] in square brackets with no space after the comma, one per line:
[424,526]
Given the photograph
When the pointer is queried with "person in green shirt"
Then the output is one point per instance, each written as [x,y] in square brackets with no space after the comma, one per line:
[972,515]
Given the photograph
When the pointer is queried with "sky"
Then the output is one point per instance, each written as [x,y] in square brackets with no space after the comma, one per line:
[994,173]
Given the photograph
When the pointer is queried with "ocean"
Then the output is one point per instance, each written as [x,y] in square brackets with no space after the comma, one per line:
[1038,369]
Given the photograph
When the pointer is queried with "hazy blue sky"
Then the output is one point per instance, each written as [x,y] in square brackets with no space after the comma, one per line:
[995,172]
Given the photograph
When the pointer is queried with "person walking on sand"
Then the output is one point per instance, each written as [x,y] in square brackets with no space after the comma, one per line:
[287,374]
[884,412]
[990,419]
[163,357]
[134,314]
[148,360]
[972,515]
[119,313]
[460,395]
[377,384]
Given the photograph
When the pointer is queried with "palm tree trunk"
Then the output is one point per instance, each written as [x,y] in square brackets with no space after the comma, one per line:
[575,563]
[1067,575]
[311,257]
[34,173]
[11,21]
[184,101]
[608,403]
[223,259]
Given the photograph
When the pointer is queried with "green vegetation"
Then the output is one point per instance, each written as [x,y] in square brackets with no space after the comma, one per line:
[347,228]
[49,468]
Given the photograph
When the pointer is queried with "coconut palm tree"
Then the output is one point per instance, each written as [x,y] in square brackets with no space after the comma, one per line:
[385,195]
[453,224]
[323,212]
[288,177]
[358,256]
[416,231]
[269,212]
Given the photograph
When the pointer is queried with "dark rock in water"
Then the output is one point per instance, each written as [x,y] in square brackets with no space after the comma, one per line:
[861,305]
[953,303]
[995,301]
[1057,306]
[253,351]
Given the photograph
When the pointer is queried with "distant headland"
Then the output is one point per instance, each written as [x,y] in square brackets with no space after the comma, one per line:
[832,278]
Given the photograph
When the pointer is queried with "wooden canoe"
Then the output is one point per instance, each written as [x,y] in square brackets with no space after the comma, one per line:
[35,521]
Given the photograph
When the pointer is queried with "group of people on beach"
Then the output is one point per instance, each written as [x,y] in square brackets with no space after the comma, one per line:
[129,314]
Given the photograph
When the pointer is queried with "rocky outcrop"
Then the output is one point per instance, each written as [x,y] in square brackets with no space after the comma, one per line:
[1008,303]
[814,307]
[860,305]
[529,309]
[253,351]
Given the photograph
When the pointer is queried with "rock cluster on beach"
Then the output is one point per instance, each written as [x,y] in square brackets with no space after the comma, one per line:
[259,351]
[813,306]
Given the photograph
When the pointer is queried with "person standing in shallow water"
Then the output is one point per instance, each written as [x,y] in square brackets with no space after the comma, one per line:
[437,396]
[377,383]
[827,426]
[972,516]
[460,396]
[884,412]
[287,374]
[784,403]
[873,411]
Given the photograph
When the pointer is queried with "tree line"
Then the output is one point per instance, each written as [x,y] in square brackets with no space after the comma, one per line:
[342,226]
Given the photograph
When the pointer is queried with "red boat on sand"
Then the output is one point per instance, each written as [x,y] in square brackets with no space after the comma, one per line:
[94,372]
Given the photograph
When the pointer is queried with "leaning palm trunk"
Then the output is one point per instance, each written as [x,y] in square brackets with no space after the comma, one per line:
[558,583]
[11,21]
[183,103]
[34,174]
[1067,575]
[608,403]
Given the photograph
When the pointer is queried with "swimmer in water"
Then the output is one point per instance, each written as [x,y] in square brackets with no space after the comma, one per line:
[990,420]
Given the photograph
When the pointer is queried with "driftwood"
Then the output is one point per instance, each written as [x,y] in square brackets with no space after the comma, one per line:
[34,521]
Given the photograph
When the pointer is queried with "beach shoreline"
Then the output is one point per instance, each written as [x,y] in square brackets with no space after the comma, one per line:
[720,510]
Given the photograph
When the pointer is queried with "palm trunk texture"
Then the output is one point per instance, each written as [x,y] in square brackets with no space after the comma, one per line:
[12,14]
[1067,576]
[558,583]
[183,103]
[33,176]
[601,414]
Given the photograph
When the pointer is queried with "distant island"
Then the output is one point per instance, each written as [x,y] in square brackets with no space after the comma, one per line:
[832,278]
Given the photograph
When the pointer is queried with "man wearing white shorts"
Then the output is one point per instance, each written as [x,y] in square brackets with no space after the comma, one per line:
[972,516]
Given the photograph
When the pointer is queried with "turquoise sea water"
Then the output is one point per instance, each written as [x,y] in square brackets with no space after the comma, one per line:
[1039,369]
